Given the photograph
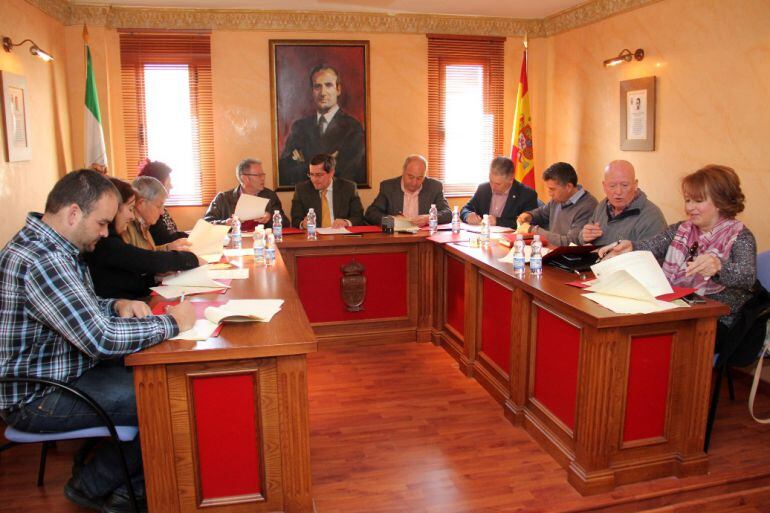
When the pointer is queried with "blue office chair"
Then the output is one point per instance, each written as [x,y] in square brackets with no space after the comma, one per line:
[116,433]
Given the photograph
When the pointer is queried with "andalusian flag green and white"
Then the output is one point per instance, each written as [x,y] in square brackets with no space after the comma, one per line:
[95,152]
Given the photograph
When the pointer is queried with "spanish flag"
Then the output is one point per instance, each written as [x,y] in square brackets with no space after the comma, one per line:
[95,150]
[521,139]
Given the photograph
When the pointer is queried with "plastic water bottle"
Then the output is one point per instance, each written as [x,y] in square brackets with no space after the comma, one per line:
[518,255]
[484,236]
[259,245]
[455,220]
[269,247]
[278,226]
[536,257]
[235,232]
[432,219]
[310,224]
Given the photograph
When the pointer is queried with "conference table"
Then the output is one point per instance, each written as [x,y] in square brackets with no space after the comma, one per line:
[224,422]
[613,398]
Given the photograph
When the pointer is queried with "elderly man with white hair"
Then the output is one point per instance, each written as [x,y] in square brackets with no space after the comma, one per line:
[150,200]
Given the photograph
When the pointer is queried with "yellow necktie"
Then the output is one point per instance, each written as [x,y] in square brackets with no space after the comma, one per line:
[326,217]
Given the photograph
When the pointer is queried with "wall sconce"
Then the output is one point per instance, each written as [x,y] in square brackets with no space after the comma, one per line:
[33,49]
[625,56]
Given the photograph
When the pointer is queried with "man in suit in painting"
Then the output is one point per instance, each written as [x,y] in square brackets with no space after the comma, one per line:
[329,130]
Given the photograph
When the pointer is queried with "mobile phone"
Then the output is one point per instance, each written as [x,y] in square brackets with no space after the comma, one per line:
[693,299]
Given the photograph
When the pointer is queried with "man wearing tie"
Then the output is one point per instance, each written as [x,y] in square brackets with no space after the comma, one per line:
[329,130]
[334,200]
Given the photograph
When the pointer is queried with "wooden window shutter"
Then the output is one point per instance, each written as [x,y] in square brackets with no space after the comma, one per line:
[478,53]
[140,50]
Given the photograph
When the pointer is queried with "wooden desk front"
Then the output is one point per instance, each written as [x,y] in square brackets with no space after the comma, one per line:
[224,422]
[614,398]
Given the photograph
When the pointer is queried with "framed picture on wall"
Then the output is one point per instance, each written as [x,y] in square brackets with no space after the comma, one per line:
[320,104]
[15,116]
[637,114]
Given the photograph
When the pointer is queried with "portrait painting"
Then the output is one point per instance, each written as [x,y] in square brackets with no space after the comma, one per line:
[320,101]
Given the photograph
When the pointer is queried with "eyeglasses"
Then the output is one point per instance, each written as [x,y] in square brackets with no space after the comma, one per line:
[252,174]
[316,175]
[692,252]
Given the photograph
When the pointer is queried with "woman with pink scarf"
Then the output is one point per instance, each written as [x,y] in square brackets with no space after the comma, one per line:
[711,251]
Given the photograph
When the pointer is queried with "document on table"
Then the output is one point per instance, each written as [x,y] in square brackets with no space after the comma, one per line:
[629,283]
[250,207]
[175,291]
[212,257]
[238,252]
[238,273]
[403,224]
[207,238]
[235,310]
[333,231]
[476,228]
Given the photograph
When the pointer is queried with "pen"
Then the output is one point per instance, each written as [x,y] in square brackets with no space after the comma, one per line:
[181,298]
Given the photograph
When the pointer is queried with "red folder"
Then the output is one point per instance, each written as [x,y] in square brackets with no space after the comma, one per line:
[364,229]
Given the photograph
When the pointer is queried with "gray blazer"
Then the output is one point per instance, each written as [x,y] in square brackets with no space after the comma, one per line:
[390,201]
[345,202]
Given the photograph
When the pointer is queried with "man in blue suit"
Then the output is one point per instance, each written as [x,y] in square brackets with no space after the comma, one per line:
[502,197]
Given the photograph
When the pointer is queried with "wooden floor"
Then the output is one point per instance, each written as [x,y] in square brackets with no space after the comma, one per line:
[397,428]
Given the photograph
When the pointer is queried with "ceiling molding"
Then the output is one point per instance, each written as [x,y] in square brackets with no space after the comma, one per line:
[589,12]
[323,21]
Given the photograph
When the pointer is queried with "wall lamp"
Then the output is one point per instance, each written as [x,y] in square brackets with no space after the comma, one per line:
[625,56]
[33,49]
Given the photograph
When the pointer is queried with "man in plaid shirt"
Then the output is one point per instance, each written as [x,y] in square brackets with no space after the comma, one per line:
[53,325]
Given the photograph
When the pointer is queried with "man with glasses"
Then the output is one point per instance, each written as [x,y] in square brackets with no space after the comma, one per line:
[251,180]
[334,200]
[625,213]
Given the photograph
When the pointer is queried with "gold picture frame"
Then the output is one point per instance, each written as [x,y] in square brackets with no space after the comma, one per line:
[15,116]
[637,114]
[296,102]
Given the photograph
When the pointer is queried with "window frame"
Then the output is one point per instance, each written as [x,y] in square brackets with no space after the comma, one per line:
[191,49]
[450,50]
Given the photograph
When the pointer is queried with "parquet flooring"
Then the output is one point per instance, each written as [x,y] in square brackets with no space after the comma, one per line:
[397,428]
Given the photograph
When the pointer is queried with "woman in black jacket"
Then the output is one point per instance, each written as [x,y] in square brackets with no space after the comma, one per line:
[120,270]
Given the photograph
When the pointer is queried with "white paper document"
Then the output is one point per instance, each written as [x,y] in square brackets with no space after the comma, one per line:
[403,224]
[332,231]
[235,310]
[250,207]
[175,291]
[239,273]
[237,252]
[639,264]
[207,238]
[629,284]
[476,228]
[198,277]
[212,257]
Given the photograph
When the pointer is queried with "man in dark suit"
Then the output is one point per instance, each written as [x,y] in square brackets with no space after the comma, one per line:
[329,130]
[503,198]
[334,200]
[410,195]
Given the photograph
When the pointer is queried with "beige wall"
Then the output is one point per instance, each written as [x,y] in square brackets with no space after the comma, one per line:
[712,60]
[24,185]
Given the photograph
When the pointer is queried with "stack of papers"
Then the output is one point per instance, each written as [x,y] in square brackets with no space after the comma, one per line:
[628,284]
[207,238]
[403,224]
[235,310]
[194,281]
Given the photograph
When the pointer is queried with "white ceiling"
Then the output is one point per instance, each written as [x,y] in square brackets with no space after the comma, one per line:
[497,8]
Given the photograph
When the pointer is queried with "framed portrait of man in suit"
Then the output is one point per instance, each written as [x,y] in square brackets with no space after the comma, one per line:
[320,104]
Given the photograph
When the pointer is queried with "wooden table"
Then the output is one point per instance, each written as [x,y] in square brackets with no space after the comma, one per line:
[614,398]
[398,296]
[224,422]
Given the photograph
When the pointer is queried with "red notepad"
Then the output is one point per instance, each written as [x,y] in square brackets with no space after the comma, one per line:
[363,229]
[292,231]
[198,306]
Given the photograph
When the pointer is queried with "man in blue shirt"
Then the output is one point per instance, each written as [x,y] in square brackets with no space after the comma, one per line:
[52,325]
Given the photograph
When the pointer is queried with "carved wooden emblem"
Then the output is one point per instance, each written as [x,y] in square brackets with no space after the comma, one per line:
[353,286]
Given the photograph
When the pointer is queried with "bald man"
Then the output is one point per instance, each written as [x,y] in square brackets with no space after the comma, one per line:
[625,213]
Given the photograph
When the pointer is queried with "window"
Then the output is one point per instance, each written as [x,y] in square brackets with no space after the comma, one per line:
[465,109]
[167,108]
